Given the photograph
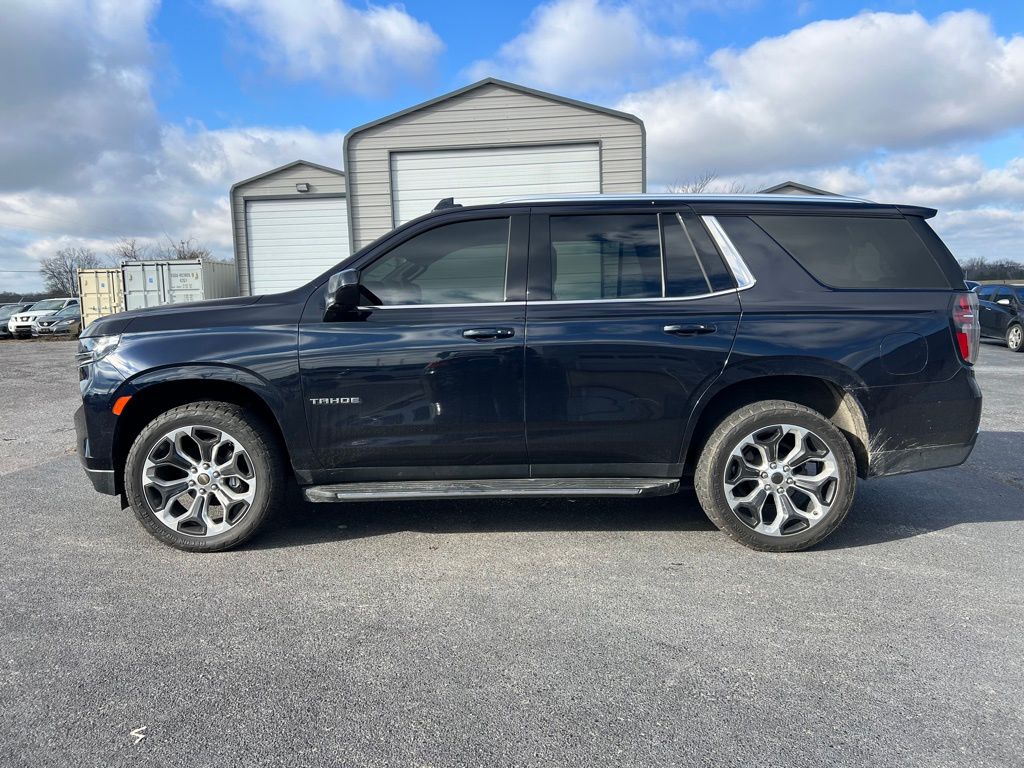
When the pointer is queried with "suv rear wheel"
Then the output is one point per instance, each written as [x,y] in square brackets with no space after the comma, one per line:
[1015,338]
[776,476]
[203,477]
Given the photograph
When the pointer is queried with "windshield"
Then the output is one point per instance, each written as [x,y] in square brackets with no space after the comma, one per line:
[6,312]
[48,304]
[71,311]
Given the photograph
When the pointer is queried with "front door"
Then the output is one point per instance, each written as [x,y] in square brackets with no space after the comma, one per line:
[630,317]
[427,383]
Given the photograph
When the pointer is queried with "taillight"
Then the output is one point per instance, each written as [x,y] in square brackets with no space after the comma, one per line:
[965,325]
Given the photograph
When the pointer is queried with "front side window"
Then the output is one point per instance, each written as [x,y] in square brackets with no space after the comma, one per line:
[987,292]
[605,257]
[1003,292]
[460,263]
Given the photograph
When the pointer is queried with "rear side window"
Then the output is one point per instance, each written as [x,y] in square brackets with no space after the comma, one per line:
[692,264]
[857,252]
[605,257]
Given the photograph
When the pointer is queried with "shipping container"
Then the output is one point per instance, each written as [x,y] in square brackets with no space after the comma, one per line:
[100,292]
[176,281]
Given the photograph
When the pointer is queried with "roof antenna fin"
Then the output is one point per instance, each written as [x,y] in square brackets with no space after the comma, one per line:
[448,202]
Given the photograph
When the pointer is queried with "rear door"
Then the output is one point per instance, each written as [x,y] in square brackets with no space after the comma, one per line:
[429,383]
[631,315]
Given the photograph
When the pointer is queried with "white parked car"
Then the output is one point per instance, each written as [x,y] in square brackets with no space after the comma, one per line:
[20,324]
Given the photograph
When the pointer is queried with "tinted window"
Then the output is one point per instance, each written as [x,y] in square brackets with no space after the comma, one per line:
[461,263]
[857,252]
[605,257]
[987,292]
[691,270]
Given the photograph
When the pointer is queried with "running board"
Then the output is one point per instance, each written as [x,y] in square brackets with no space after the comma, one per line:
[480,489]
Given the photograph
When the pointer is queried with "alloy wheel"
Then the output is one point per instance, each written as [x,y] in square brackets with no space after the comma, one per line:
[1014,337]
[781,479]
[198,481]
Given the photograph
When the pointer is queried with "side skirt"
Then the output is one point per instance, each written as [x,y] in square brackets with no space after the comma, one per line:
[522,487]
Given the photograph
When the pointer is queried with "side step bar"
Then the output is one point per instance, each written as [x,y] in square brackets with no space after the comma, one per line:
[480,489]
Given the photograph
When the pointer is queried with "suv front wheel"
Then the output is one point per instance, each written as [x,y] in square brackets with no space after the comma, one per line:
[203,477]
[776,476]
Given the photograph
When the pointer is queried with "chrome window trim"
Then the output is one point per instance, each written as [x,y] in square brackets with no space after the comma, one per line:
[443,306]
[644,299]
[740,271]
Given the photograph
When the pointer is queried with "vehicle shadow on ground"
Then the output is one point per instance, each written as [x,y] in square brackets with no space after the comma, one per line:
[302,523]
[886,509]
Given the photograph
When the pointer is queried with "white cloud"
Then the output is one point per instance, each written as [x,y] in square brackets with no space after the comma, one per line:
[590,46]
[346,48]
[981,208]
[75,87]
[86,159]
[180,191]
[834,91]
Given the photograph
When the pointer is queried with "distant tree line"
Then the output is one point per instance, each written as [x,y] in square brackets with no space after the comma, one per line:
[995,269]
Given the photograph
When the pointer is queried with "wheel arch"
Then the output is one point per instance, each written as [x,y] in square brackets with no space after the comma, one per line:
[828,396]
[157,392]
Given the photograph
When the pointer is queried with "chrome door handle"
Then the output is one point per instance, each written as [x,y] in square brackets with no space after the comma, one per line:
[689,330]
[484,334]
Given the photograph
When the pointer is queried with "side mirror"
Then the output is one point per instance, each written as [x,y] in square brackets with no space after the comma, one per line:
[1004,302]
[342,294]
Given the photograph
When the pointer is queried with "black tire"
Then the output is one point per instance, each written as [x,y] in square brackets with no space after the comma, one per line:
[1015,338]
[710,478]
[261,447]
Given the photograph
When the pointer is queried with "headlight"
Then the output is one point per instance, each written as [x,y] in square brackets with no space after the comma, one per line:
[92,348]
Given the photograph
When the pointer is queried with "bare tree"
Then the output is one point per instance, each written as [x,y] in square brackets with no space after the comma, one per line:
[707,182]
[128,249]
[697,184]
[60,271]
[184,249]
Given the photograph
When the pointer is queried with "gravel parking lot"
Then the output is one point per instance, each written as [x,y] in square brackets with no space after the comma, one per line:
[509,633]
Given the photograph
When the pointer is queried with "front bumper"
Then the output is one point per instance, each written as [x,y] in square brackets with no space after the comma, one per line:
[103,479]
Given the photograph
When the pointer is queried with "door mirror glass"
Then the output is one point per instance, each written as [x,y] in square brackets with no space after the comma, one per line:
[342,294]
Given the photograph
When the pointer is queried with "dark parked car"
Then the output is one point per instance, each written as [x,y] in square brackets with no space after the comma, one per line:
[771,349]
[1001,311]
[67,320]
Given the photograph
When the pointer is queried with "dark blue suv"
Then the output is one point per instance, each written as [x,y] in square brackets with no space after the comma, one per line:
[770,350]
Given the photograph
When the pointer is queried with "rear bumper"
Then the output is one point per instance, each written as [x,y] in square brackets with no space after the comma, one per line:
[916,427]
[920,459]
